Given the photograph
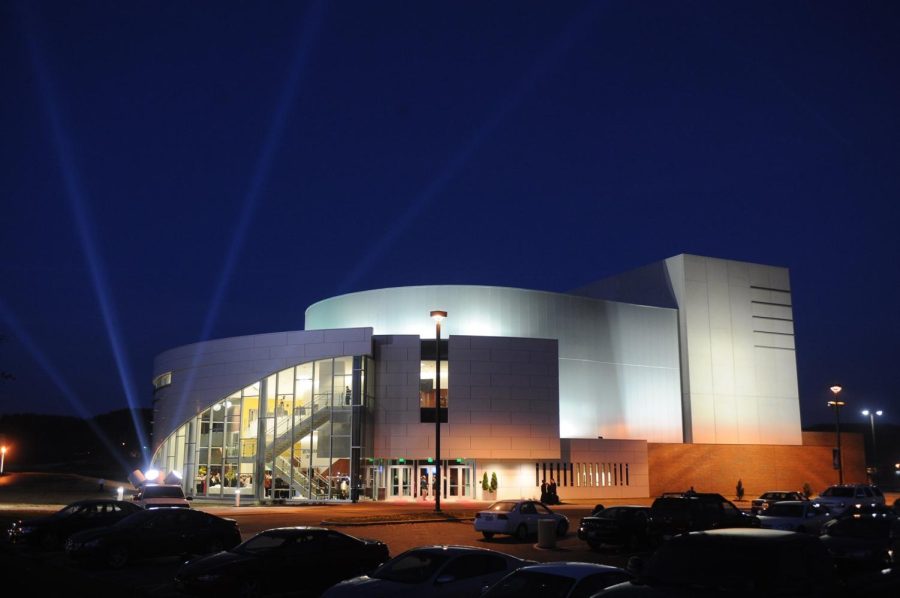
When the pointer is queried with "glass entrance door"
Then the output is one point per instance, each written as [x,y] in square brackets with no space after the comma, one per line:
[460,481]
[425,482]
[400,481]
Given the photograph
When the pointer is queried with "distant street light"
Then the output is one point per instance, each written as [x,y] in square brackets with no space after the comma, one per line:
[437,316]
[2,459]
[838,458]
[872,415]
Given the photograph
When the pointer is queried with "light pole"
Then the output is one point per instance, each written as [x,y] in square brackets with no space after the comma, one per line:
[872,415]
[437,316]
[839,458]
[2,459]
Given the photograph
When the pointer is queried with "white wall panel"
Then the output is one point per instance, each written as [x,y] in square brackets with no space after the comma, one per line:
[610,354]
[737,350]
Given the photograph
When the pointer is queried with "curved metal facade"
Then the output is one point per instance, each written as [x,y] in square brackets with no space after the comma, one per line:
[207,372]
[619,372]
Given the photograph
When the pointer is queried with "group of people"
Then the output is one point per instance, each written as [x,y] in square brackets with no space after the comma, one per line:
[548,492]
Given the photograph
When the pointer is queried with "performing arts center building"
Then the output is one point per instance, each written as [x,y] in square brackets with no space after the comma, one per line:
[680,373]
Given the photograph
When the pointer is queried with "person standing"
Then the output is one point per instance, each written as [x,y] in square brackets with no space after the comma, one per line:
[423,486]
[553,498]
[544,493]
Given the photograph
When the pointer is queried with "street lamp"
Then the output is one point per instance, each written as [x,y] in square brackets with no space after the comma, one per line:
[838,458]
[437,316]
[872,415]
[2,459]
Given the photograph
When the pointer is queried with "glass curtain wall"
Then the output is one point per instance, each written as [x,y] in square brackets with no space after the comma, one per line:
[287,436]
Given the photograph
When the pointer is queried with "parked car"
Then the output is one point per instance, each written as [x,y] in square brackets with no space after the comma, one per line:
[557,580]
[517,517]
[316,556]
[767,499]
[154,496]
[622,525]
[732,562]
[51,532]
[438,571]
[863,540]
[154,533]
[678,513]
[795,516]
[838,499]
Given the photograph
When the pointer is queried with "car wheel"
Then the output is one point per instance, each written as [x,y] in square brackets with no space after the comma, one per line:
[250,588]
[117,557]
[522,532]
[487,535]
[561,528]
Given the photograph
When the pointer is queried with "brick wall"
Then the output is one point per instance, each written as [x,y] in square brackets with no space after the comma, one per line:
[717,468]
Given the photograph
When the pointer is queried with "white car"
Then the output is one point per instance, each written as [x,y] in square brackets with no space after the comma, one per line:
[432,571]
[557,580]
[517,518]
[155,496]
[838,499]
[795,516]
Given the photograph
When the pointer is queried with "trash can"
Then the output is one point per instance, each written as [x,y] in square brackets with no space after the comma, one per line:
[547,533]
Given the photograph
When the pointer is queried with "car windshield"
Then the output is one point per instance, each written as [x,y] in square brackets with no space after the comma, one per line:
[782,510]
[67,511]
[531,584]
[261,543]
[163,492]
[504,506]
[412,567]
[839,492]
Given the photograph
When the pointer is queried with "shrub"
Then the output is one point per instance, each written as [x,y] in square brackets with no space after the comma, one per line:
[493,481]
[484,483]
[807,490]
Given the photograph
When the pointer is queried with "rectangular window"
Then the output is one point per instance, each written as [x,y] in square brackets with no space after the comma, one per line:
[427,390]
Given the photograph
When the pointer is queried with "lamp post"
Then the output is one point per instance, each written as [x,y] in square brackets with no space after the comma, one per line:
[2,459]
[872,415]
[839,458]
[437,316]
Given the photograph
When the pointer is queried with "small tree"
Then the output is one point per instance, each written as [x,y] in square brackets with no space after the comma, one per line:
[493,481]
[740,490]
[807,490]
[484,483]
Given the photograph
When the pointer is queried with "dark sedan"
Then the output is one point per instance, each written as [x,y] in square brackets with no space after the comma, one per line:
[155,533]
[864,540]
[51,532]
[624,525]
[309,559]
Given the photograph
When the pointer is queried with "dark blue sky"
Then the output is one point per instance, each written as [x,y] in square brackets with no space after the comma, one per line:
[215,167]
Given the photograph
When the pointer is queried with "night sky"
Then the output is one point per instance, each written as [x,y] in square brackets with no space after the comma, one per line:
[174,171]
